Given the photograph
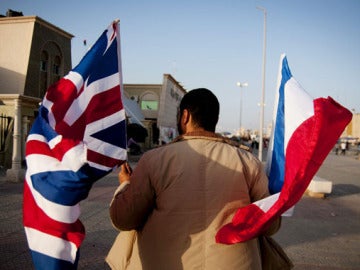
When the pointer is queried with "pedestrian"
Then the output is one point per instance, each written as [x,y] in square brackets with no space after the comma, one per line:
[134,147]
[337,148]
[171,206]
[343,147]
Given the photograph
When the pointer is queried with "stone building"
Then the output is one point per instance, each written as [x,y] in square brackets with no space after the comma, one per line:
[33,55]
[158,104]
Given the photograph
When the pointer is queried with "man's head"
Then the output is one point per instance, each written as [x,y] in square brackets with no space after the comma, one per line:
[199,109]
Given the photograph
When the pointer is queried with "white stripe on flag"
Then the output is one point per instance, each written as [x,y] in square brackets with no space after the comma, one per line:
[80,104]
[73,160]
[104,123]
[50,245]
[109,35]
[99,166]
[58,212]
[48,105]
[266,203]
[36,137]
[52,143]
[298,107]
[101,146]
[76,79]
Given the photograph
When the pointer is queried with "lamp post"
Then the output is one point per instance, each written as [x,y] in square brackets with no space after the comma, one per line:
[263,89]
[241,85]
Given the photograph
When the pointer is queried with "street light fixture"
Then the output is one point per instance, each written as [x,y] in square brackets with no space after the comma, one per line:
[262,103]
[241,85]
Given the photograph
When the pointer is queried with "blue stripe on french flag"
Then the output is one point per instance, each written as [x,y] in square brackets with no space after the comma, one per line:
[294,106]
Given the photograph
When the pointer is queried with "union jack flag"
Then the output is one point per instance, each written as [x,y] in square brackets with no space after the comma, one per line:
[78,137]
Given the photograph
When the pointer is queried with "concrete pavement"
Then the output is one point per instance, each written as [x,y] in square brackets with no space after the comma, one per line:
[322,234]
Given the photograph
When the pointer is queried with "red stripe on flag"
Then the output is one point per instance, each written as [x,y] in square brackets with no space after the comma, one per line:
[102,160]
[35,217]
[38,147]
[62,94]
[104,104]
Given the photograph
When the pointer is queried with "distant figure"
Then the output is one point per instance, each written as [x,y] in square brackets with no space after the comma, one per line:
[134,147]
[337,146]
[343,148]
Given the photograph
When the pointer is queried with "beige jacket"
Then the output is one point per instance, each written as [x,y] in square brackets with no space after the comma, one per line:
[178,197]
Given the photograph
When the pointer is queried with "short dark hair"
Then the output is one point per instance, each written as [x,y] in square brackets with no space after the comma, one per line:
[203,106]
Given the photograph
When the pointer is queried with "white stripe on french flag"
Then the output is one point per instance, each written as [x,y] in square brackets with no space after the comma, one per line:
[300,142]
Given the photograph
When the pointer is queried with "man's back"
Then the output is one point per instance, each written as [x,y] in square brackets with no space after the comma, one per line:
[195,186]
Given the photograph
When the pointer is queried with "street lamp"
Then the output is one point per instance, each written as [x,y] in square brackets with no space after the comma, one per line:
[262,103]
[241,85]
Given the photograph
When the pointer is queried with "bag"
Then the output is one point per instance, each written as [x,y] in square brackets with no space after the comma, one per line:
[273,257]
[122,251]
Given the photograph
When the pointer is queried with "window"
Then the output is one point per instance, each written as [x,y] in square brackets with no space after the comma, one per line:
[56,69]
[149,105]
[44,61]
[150,102]
[51,66]
[56,66]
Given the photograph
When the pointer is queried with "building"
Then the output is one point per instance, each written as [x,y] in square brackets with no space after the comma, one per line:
[33,55]
[158,104]
[352,131]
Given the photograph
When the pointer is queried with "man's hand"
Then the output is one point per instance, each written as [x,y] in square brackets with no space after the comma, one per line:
[125,173]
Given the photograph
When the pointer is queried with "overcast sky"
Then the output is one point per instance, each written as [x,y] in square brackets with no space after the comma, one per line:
[215,44]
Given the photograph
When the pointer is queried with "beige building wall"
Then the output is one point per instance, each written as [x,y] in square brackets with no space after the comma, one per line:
[25,75]
[171,95]
[356,125]
[146,93]
[353,129]
[15,45]
[158,103]
[23,41]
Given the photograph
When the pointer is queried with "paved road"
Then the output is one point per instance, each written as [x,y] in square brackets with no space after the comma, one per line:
[322,234]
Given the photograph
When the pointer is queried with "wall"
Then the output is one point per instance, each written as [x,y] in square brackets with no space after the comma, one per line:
[15,44]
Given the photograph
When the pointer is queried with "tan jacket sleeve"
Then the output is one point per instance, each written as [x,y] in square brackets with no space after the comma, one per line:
[133,202]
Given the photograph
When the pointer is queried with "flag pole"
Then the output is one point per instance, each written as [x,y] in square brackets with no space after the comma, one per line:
[273,121]
[262,105]
[115,24]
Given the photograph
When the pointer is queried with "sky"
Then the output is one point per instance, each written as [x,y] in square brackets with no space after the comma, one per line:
[215,44]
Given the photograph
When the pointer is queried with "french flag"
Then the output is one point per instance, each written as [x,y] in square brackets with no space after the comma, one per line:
[78,137]
[305,130]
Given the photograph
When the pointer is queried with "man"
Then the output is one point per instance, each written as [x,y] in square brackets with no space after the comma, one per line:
[343,147]
[180,194]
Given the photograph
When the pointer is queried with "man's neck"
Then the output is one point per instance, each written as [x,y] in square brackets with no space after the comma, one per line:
[200,132]
[191,128]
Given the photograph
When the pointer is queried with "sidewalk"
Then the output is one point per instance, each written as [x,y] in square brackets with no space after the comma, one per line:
[322,234]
